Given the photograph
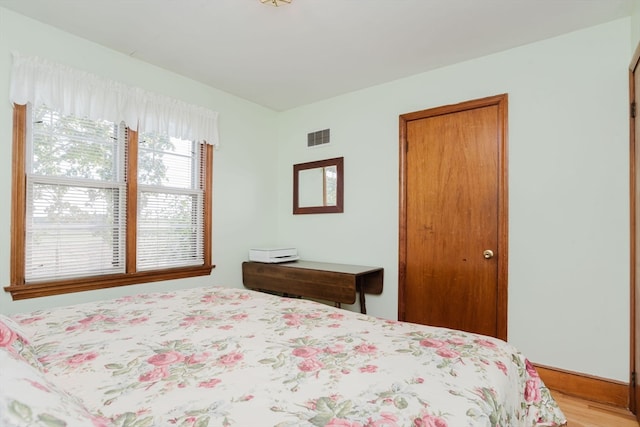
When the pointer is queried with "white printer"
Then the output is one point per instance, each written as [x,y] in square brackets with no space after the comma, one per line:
[273,255]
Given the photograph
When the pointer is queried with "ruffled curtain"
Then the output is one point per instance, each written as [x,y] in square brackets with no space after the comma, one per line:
[70,91]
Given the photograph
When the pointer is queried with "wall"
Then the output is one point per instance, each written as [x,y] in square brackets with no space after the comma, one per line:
[568,184]
[635,25]
[568,138]
[244,175]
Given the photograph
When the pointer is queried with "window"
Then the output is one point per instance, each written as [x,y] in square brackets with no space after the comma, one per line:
[75,197]
[98,205]
[170,202]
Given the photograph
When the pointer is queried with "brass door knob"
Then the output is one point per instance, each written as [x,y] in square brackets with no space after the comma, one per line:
[488,254]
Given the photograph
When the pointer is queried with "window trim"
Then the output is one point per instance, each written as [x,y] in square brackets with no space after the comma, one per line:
[20,290]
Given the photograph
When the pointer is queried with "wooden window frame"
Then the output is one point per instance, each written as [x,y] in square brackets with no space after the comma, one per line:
[19,289]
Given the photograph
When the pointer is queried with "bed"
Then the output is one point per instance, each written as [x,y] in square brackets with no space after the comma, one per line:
[216,356]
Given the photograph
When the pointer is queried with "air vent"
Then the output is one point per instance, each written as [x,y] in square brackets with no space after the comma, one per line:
[318,138]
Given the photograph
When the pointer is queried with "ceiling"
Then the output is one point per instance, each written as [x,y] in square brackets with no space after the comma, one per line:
[310,50]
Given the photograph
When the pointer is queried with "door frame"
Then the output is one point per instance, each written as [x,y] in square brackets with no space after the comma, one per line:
[634,229]
[501,101]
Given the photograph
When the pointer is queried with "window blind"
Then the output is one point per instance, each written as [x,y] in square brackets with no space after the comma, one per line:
[170,202]
[76,197]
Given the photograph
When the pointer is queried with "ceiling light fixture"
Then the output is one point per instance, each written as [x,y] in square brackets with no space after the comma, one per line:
[275,3]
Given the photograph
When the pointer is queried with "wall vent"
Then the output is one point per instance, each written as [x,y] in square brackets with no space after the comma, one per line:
[318,138]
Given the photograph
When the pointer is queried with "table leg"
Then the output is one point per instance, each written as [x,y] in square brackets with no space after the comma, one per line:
[360,289]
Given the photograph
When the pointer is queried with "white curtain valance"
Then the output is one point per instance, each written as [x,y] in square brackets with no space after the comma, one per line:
[70,91]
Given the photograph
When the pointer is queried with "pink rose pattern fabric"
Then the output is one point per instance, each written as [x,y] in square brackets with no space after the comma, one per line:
[15,341]
[233,357]
[27,397]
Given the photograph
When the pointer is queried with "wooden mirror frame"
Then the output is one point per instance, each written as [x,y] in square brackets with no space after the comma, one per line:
[338,162]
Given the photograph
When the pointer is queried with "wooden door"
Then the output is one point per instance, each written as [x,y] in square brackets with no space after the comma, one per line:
[634,390]
[453,217]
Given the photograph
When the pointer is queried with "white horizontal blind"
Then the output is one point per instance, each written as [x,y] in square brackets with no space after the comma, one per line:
[170,203]
[76,197]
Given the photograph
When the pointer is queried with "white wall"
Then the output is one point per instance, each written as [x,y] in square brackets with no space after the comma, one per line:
[568,184]
[635,25]
[244,173]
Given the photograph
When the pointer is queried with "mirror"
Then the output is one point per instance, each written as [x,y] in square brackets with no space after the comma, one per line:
[318,186]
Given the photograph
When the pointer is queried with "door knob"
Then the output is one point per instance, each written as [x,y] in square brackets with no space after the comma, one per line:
[488,254]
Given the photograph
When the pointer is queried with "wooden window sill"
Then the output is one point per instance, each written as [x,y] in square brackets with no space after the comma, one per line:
[42,289]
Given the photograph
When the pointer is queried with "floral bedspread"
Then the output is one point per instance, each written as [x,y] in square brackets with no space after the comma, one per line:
[234,357]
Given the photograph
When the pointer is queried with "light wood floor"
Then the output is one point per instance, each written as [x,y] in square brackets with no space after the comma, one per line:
[583,413]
